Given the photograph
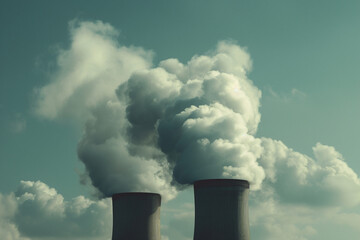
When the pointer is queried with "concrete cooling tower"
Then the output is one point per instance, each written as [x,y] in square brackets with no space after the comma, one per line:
[136,216]
[221,209]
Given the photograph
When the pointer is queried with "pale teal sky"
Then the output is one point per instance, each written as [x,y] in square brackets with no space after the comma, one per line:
[306,57]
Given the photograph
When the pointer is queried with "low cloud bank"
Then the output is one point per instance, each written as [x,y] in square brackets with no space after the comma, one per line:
[36,211]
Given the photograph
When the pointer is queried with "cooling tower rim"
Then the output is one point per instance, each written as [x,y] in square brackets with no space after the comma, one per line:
[138,194]
[221,182]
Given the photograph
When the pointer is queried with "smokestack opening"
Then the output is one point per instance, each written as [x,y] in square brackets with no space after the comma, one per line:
[221,209]
[136,216]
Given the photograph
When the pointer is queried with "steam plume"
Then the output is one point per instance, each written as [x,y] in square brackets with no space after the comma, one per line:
[161,128]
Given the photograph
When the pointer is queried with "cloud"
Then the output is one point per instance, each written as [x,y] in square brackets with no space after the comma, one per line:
[120,145]
[351,220]
[83,89]
[296,178]
[18,124]
[299,192]
[201,115]
[110,163]
[36,211]
[160,128]
[294,94]
[297,93]
[181,223]
[88,72]
[271,220]
[8,229]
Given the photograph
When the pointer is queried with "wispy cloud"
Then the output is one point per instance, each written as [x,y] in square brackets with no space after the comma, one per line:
[18,123]
[292,95]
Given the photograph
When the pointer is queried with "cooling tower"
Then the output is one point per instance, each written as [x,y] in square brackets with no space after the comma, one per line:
[221,209]
[136,216]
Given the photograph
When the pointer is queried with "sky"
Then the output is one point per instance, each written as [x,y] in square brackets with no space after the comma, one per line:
[97,98]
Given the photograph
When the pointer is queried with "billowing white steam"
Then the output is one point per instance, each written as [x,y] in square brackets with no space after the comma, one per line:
[159,128]
[201,115]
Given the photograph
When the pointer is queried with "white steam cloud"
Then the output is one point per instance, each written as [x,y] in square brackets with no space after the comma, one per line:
[88,72]
[159,128]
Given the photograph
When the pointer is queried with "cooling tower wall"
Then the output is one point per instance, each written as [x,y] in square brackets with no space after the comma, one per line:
[136,216]
[221,209]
